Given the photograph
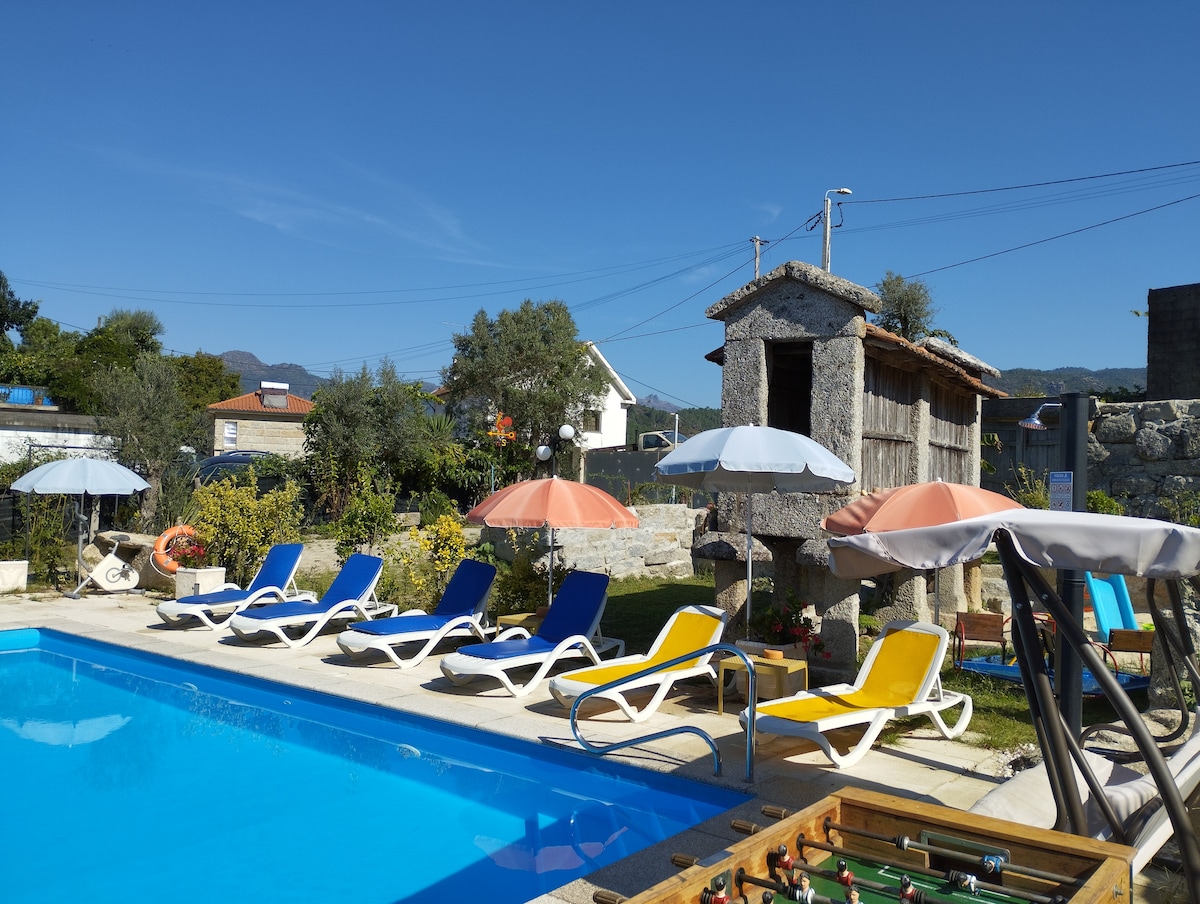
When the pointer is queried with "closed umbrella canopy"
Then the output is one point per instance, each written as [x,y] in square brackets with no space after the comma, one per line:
[73,476]
[753,460]
[551,502]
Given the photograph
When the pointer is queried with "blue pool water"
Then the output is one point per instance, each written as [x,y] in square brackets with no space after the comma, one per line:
[131,777]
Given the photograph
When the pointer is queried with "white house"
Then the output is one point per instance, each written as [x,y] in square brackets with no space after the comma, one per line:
[605,425]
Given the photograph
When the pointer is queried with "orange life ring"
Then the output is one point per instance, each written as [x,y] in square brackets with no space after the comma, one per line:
[164,547]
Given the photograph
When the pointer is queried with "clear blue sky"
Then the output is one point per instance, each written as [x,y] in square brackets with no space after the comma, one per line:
[329,184]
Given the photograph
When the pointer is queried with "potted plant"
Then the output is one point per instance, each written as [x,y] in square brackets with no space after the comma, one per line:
[195,575]
[784,626]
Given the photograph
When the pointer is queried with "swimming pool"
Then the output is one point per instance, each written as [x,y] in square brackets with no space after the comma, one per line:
[128,776]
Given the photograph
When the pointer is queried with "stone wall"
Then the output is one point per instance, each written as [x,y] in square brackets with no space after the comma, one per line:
[660,547]
[1146,455]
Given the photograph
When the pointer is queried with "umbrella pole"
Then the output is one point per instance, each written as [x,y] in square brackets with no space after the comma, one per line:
[937,596]
[749,557]
[550,572]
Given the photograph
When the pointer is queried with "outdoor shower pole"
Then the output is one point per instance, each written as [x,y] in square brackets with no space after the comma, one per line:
[1073,440]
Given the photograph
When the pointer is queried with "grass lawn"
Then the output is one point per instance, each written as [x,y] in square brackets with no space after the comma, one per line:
[638,607]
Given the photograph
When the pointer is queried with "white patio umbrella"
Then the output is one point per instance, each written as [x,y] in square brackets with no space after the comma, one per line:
[753,460]
[74,476]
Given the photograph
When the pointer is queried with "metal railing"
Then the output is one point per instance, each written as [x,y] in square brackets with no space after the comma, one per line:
[751,693]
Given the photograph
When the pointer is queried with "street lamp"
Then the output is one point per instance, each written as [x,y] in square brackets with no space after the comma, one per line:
[566,435]
[828,206]
[1072,443]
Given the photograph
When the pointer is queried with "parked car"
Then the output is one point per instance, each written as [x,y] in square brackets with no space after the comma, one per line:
[221,466]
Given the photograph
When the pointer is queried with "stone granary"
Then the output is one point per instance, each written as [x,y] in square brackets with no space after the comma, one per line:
[800,355]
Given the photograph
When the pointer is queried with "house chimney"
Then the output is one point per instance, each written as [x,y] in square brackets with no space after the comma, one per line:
[274,395]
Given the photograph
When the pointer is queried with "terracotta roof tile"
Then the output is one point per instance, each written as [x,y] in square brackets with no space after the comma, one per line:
[883,337]
[252,402]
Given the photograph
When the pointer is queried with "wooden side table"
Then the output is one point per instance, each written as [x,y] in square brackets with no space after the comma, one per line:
[780,669]
[530,621]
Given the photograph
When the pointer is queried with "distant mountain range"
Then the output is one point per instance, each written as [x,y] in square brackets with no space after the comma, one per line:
[300,382]
[1020,381]
[1023,381]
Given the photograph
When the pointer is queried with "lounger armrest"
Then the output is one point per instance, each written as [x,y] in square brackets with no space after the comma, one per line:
[515,633]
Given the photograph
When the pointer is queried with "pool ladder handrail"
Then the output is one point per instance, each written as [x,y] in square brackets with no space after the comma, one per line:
[751,693]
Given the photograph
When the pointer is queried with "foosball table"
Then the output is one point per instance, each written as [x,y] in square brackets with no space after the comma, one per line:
[866,847]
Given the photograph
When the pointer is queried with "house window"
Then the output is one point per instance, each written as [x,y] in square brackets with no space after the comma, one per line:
[231,434]
[590,422]
[789,386]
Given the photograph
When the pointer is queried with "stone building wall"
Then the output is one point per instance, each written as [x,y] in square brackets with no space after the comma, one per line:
[1146,455]
[660,547]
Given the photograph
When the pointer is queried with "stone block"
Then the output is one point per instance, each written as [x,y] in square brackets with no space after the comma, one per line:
[1152,445]
[1116,428]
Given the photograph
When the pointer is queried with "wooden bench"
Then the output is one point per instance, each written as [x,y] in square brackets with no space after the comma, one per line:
[986,627]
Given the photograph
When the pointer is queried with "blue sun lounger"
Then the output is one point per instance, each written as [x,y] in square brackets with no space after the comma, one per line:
[352,594]
[461,612]
[275,582]
[568,630]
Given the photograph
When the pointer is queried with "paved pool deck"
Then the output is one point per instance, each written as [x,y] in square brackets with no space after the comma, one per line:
[787,773]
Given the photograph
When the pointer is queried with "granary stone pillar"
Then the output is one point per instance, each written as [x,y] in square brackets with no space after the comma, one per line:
[837,606]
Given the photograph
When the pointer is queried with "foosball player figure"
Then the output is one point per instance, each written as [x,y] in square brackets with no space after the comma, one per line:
[768,897]
[844,876]
[802,889]
[851,894]
[908,891]
[785,865]
[716,894]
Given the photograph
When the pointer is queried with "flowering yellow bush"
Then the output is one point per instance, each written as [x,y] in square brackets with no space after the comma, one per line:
[431,557]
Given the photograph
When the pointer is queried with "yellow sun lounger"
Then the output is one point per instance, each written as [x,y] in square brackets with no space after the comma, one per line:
[687,630]
[900,677]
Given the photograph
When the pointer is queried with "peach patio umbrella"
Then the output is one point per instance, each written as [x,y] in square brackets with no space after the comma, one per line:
[551,502]
[916,505]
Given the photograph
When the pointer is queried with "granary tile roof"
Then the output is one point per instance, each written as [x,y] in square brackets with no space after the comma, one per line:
[252,402]
[965,367]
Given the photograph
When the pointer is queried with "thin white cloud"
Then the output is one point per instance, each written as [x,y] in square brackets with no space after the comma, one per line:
[413,218]
[770,210]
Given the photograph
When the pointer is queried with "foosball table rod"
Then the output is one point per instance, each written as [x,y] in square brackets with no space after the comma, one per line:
[990,863]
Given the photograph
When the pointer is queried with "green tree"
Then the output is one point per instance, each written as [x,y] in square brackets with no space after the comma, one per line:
[204,380]
[528,363]
[365,420]
[146,420]
[116,342]
[14,313]
[908,309]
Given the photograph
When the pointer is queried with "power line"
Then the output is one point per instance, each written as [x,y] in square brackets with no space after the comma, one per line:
[982,191]
[1052,238]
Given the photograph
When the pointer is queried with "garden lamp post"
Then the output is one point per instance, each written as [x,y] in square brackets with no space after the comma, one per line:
[828,227]
[1072,444]
[566,436]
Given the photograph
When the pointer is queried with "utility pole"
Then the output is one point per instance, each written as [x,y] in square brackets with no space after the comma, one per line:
[828,225]
[757,242]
